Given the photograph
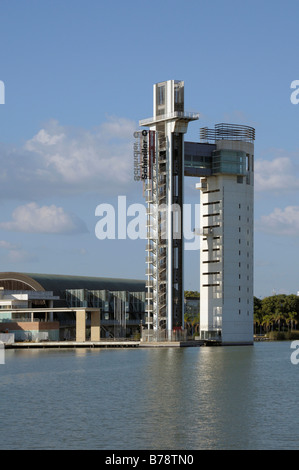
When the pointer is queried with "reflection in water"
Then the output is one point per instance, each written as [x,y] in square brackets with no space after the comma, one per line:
[225,403]
[200,400]
[165,398]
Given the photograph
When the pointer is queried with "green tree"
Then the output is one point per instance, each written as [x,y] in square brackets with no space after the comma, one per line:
[192,314]
[277,317]
[277,310]
[291,320]
[267,321]
[191,294]
[257,314]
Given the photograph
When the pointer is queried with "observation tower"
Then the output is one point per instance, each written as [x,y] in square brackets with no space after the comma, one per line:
[226,231]
[223,163]
[164,193]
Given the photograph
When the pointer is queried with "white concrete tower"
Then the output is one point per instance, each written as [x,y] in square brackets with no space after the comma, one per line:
[164,195]
[226,254]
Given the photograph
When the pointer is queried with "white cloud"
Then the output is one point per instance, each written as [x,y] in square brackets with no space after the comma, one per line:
[279,174]
[31,218]
[5,244]
[44,138]
[69,160]
[15,253]
[281,222]
[83,157]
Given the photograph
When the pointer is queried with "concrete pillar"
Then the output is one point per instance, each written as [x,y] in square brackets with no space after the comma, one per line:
[51,316]
[80,325]
[95,325]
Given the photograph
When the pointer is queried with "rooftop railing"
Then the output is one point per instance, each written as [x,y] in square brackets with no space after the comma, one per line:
[225,131]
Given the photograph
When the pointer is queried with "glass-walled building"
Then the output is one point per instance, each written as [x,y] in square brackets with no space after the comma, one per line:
[121,301]
[122,312]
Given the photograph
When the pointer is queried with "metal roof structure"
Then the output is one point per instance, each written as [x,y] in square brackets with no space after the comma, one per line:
[58,282]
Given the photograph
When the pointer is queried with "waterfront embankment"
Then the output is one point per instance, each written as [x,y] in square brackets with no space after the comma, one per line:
[101,344]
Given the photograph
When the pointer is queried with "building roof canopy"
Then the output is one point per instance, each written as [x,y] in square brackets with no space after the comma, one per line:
[56,282]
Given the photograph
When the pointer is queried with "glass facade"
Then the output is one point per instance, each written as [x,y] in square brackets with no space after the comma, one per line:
[198,161]
[122,312]
[229,162]
[160,100]
[179,96]
[202,159]
[134,301]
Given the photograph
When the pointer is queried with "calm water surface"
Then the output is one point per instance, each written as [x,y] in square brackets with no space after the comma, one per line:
[158,399]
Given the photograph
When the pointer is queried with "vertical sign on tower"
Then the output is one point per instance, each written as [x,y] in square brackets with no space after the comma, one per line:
[151,152]
[144,154]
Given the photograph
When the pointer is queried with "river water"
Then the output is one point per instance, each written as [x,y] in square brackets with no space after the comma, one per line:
[155,399]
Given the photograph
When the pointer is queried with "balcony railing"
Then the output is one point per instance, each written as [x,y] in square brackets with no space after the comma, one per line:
[165,117]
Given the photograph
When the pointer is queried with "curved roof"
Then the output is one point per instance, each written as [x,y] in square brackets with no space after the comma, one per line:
[58,282]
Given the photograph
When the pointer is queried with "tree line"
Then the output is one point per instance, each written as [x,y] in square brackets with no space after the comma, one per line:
[276,313]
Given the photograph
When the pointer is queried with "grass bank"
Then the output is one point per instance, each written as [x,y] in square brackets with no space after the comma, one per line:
[283,335]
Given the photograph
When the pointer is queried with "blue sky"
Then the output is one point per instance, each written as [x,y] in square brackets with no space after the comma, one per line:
[78,77]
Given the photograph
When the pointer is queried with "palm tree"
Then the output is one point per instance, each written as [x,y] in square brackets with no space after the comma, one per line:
[277,317]
[291,319]
[267,321]
[257,318]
